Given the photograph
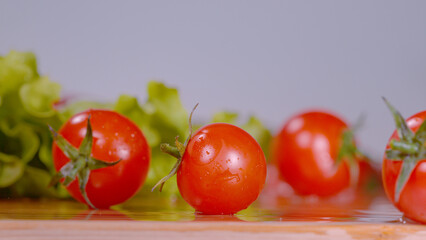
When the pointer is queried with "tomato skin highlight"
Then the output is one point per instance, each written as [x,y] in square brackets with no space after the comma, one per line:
[114,137]
[305,151]
[223,170]
[412,201]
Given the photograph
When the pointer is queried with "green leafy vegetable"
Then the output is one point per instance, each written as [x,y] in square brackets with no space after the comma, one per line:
[16,69]
[162,117]
[34,182]
[11,169]
[38,96]
[26,108]
[129,106]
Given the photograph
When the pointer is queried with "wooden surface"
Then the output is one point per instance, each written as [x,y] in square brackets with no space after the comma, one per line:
[83,229]
[153,219]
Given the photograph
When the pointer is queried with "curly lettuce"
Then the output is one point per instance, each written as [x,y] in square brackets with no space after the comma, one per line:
[26,107]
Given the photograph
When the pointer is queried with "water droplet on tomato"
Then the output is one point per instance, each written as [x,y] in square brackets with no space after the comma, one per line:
[234,178]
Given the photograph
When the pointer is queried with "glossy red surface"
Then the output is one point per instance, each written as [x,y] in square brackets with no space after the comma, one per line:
[114,137]
[223,170]
[413,197]
[305,151]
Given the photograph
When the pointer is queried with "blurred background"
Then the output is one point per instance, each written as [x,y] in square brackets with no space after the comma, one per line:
[268,58]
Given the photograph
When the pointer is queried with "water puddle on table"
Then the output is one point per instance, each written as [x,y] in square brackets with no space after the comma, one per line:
[371,209]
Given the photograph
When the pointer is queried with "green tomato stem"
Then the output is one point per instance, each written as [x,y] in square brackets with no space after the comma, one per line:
[407,148]
[81,162]
[176,151]
[171,150]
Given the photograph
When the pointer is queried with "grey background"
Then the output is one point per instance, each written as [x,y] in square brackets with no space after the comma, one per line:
[268,58]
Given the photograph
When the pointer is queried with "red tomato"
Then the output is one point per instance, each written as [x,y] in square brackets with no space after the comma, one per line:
[413,196]
[223,170]
[114,137]
[305,151]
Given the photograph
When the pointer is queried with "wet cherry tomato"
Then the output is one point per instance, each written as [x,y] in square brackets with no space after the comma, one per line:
[412,201]
[114,138]
[223,170]
[306,150]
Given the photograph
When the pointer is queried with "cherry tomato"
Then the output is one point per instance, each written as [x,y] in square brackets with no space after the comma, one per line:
[114,138]
[306,150]
[223,170]
[412,201]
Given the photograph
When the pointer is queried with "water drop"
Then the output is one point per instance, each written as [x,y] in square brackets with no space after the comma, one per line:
[402,220]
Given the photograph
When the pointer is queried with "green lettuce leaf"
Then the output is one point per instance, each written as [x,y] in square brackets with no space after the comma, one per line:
[26,109]
[16,68]
[34,182]
[161,164]
[260,132]
[225,117]
[161,118]
[166,110]
[20,139]
[129,106]
[38,97]
[11,169]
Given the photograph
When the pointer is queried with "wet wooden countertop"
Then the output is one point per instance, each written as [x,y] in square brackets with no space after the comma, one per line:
[371,218]
[62,229]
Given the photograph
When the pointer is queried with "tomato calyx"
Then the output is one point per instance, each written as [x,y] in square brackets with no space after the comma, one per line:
[410,149]
[176,151]
[81,162]
[349,153]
